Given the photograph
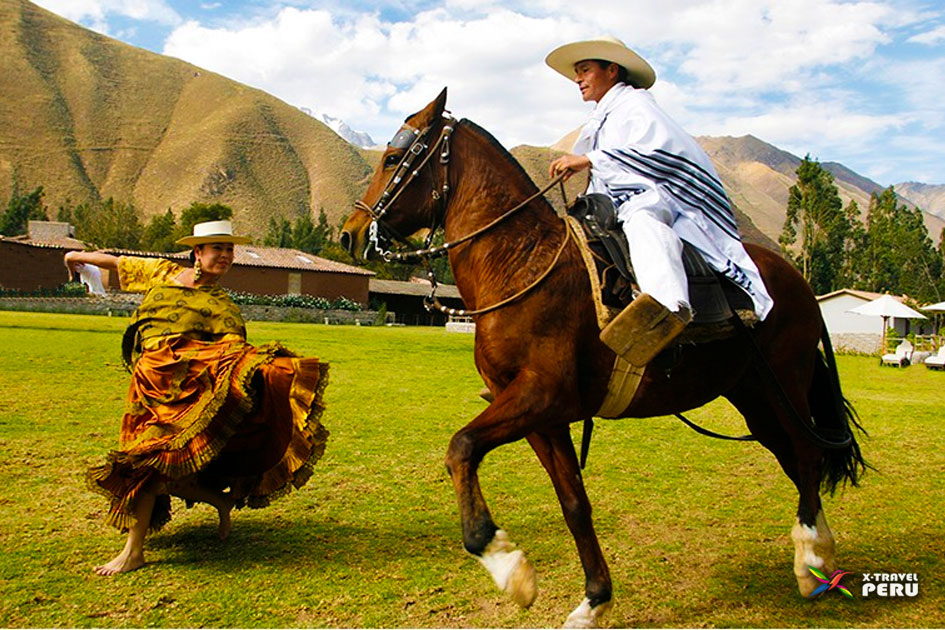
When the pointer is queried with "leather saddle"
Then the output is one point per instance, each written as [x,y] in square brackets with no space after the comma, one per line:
[713,297]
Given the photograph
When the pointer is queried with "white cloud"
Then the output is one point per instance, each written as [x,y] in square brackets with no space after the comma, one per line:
[815,126]
[931,37]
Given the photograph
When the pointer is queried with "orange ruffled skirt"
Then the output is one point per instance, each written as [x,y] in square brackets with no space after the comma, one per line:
[238,417]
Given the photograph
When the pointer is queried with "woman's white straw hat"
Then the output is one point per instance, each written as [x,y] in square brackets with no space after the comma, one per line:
[607,48]
[213,232]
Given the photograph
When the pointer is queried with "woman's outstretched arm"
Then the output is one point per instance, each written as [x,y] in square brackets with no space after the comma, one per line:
[99,259]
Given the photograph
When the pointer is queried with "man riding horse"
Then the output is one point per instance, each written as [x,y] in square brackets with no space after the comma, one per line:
[664,188]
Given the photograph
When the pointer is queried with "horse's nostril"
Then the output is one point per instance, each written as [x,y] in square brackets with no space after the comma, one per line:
[346,241]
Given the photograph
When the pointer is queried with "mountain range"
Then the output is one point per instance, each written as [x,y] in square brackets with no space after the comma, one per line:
[88,117]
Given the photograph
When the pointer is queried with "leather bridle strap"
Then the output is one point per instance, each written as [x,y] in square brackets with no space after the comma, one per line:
[431,301]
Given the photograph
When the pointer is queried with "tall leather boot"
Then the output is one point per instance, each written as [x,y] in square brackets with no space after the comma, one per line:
[643,329]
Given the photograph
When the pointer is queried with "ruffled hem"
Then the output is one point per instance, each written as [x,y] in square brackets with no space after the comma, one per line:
[201,434]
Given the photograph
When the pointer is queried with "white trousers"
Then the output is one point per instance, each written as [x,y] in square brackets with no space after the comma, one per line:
[656,255]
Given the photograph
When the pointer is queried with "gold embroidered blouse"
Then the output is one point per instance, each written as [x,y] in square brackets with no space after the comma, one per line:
[170,308]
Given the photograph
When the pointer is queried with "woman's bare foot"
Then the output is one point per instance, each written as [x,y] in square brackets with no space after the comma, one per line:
[122,563]
[225,523]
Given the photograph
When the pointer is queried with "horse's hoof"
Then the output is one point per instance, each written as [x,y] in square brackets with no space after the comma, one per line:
[813,547]
[806,584]
[522,584]
[511,570]
[587,616]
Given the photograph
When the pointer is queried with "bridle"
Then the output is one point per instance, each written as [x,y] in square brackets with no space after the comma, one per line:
[415,142]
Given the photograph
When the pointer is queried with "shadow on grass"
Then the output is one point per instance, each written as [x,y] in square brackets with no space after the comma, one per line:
[284,542]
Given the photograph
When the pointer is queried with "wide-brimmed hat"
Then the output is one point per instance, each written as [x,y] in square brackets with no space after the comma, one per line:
[213,232]
[607,48]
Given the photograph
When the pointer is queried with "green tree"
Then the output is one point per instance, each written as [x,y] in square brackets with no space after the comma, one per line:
[817,227]
[303,235]
[279,233]
[323,231]
[306,235]
[107,223]
[20,210]
[897,254]
[159,235]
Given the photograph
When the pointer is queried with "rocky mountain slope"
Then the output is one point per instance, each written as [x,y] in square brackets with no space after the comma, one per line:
[927,196]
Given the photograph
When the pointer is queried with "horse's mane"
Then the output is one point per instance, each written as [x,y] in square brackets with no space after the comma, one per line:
[488,137]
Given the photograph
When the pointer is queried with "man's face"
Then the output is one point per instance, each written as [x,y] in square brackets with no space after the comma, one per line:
[593,80]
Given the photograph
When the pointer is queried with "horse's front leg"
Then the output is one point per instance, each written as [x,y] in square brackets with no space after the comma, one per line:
[522,407]
[556,452]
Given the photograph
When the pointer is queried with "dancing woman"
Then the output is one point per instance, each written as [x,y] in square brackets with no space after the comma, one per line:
[209,418]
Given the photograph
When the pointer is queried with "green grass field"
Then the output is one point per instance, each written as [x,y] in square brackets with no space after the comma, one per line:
[696,531]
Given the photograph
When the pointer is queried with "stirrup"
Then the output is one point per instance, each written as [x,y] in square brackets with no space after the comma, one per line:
[643,329]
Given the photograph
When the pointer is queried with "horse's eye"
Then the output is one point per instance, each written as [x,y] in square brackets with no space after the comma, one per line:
[391,160]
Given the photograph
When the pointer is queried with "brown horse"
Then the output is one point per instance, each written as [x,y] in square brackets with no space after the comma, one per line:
[540,355]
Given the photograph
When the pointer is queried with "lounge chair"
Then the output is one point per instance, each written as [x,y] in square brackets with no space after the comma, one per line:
[901,357]
[937,360]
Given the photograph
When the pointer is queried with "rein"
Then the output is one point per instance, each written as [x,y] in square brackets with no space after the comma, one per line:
[398,183]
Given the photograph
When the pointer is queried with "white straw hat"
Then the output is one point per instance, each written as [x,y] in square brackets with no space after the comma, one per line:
[607,48]
[213,232]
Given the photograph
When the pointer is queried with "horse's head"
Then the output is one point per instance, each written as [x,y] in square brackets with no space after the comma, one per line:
[408,186]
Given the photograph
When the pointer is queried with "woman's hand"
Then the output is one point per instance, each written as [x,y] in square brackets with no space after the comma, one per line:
[568,165]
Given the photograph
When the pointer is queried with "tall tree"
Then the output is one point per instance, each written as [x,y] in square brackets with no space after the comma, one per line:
[107,223]
[816,227]
[279,233]
[897,254]
[20,210]
[159,235]
[303,235]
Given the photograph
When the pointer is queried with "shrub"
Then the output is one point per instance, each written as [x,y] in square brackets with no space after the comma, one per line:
[311,302]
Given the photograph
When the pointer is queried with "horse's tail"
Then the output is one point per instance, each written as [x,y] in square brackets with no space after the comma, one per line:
[834,415]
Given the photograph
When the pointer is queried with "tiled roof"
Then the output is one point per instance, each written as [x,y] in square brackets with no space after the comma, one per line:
[416,286]
[866,295]
[49,243]
[255,256]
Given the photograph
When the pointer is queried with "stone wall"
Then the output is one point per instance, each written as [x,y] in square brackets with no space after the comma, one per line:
[858,343]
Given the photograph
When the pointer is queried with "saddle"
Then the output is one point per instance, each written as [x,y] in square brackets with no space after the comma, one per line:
[714,298]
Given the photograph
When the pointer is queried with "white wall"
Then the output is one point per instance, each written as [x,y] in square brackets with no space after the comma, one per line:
[854,332]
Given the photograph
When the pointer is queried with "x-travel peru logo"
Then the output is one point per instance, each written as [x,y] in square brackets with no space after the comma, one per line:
[872,585]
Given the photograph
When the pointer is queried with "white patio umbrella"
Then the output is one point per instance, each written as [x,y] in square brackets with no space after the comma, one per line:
[887,306]
[938,307]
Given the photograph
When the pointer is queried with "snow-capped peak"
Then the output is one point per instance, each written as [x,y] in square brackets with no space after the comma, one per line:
[359,138]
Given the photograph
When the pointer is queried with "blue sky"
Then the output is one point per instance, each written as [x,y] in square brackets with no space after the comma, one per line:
[855,82]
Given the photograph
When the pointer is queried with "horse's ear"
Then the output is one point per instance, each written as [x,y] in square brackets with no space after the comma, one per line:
[431,113]
[439,104]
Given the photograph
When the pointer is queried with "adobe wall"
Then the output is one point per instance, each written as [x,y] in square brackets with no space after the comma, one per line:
[31,268]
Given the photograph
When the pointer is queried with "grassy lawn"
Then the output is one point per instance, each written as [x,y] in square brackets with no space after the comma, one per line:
[697,531]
